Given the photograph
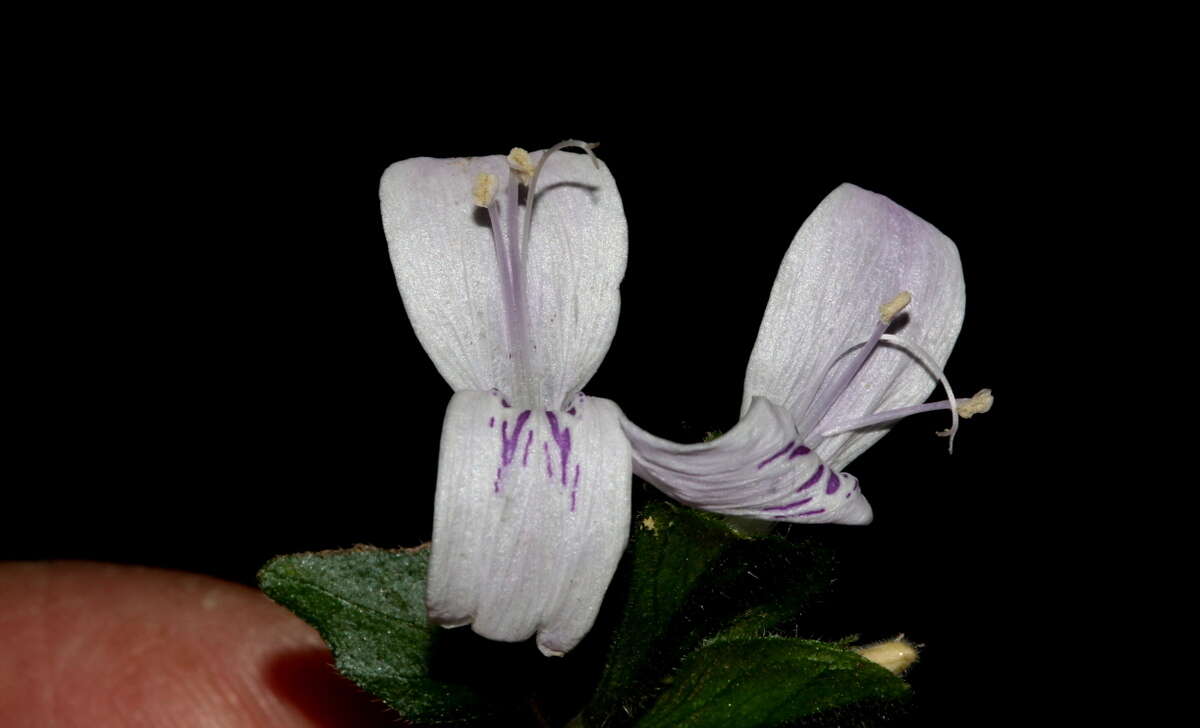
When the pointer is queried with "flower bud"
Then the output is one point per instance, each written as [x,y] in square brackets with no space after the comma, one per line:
[894,655]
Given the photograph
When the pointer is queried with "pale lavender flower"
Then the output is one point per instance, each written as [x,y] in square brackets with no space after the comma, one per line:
[517,311]
[825,379]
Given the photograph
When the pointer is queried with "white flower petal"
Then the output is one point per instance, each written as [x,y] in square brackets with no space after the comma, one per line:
[445,263]
[759,469]
[855,252]
[577,253]
[531,517]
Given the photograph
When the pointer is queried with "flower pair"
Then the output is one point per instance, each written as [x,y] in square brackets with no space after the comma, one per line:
[509,269]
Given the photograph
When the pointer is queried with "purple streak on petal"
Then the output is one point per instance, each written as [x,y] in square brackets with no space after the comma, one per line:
[574,487]
[504,403]
[812,481]
[546,449]
[833,484]
[571,411]
[528,441]
[491,422]
[800,450]
[789,505]
[496,485]
[778,454]
[563,439]
[508,445]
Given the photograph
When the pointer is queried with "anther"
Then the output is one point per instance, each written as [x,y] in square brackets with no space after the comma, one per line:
[889,310]
[485,189]
[520,163]
[978,404]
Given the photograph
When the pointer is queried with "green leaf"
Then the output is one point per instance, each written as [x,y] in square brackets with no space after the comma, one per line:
[694,576]
[670,548]
[369,606]
[756,585]
[764,682]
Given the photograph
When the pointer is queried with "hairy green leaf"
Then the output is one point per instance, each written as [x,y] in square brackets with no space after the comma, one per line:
[369,606]
[693,576]
[765,682]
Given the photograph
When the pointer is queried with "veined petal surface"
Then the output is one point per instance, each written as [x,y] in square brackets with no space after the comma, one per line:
[855,252]
[759,469]
[531,517]
[446,266]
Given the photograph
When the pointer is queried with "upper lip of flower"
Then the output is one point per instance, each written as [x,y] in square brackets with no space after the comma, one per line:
[557,289]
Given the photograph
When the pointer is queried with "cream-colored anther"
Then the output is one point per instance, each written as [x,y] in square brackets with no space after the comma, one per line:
[485,189]
[976,405]
[889,310]
[894,655]
[519,162]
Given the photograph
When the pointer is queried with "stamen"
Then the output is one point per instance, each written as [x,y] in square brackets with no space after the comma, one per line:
[829,395]
[511,241]
[519,346]
[505,275]
[498,246]
[980,403]
[509,274]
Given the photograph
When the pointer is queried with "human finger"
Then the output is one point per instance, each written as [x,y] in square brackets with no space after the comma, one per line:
[108,646]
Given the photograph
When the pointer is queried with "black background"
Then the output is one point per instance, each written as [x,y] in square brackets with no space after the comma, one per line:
[214,364]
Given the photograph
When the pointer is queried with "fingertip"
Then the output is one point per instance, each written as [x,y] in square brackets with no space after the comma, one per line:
[104,645]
